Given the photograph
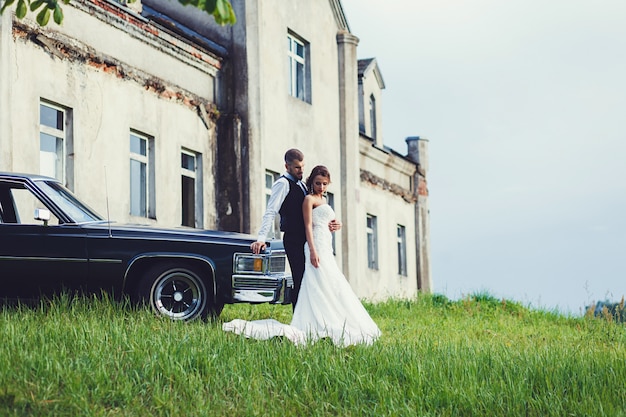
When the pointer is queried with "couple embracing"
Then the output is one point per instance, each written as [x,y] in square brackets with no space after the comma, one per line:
[324,304]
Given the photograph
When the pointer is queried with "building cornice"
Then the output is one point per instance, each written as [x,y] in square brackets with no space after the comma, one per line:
[61,46]
[397,163]
[340,16]
[134,24]
[393,162]
[406,194]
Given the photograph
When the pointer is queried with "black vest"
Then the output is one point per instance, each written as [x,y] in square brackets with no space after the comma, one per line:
[291,217]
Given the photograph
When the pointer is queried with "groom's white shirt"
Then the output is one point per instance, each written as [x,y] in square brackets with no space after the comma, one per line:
[279,192]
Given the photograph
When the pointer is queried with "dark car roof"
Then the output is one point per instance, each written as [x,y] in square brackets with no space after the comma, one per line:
[33,177]
[206,233]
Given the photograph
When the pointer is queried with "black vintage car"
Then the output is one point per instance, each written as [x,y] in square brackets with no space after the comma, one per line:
[51,242]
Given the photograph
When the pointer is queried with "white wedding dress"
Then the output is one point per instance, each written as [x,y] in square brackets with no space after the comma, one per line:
[327,307]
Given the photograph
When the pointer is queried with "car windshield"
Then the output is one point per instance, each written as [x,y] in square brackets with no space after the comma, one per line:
[67,202]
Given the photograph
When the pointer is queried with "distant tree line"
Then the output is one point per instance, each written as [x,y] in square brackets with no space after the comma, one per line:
[609,311]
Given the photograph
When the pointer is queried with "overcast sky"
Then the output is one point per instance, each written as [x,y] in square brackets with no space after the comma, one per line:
[524,106]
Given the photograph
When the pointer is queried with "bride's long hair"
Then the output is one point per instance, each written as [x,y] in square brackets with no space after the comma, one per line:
[320,170]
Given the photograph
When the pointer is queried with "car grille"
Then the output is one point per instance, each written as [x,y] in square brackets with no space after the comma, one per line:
[245,282]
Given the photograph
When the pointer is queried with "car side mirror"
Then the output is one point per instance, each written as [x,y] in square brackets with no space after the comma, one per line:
[42,215]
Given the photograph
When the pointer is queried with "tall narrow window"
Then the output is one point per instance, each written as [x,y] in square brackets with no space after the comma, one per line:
[372,117]
[52,134]
[330,199]
[270,177]
[372,242]
[191,186]
[401,236]
[297,54]
[142,190]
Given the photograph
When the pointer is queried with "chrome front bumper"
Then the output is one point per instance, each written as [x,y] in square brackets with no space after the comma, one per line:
[273,289]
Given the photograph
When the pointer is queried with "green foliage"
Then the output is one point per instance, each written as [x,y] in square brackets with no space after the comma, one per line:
[472,357]
[44,7]
[221,10]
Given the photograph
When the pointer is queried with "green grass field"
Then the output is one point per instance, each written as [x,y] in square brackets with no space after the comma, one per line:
[475,357]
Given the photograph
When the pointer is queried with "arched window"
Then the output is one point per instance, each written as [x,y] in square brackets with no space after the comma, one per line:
[372,117]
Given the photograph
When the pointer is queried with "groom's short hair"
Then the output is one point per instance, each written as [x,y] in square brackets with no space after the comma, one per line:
[293,155]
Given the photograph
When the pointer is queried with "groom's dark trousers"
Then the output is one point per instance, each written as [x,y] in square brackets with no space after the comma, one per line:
[292,226]
[294,248]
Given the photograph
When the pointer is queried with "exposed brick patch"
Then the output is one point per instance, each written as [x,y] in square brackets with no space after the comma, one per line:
[395,189]
[120,18]
[422,187]
[61,47]
[126,17]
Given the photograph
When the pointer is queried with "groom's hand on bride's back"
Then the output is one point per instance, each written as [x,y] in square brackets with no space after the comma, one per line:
[334,225]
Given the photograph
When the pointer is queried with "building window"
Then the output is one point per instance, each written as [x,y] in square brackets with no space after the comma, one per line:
[142,189]
[372,117]
[270,178]
[299,80]
[401,239]
[191,186]
[54,135]
[330,199]
[372,242]
[24,205]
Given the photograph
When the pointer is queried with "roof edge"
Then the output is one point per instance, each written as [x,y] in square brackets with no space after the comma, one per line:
[340,16]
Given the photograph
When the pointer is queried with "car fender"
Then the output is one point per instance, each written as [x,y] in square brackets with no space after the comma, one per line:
[164,256]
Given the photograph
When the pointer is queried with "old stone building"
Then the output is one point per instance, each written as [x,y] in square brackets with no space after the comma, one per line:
[153,113]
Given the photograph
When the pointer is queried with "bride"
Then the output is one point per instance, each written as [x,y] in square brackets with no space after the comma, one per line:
[327,307]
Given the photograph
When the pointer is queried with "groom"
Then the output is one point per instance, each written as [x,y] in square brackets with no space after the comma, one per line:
[286,199]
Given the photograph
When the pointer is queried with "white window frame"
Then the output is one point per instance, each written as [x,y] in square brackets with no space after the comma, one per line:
[372,242]
[270,178]
[196,175]
[330,199]
[401,243]
[299,67]
[147,201]
[372,110]
[56,161]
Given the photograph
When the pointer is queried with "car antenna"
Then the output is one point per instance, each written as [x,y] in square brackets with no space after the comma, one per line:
[106,193]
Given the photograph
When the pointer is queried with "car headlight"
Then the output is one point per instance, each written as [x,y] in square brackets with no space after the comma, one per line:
[247,263]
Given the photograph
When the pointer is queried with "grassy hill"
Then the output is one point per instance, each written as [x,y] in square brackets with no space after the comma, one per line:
[474,357]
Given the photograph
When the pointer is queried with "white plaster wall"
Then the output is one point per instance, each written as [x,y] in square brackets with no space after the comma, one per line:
[144,52]
[6,86]
[372,88]
[386,165]
[105,109]
[385,282]
[388,205]
[286,121]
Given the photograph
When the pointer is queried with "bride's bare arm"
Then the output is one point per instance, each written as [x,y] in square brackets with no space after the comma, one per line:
[307,211]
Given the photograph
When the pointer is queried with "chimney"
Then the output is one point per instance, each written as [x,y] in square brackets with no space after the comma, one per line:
[417,151]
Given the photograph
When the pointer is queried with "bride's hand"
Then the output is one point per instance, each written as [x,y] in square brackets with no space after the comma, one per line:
[315,260]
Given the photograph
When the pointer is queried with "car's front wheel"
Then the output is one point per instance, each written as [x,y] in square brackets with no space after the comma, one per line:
[175,292]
